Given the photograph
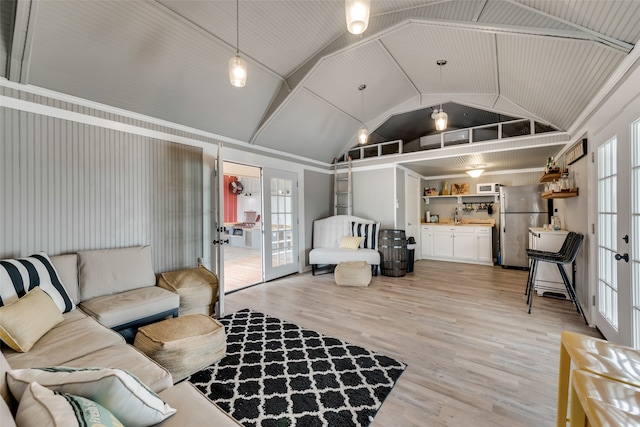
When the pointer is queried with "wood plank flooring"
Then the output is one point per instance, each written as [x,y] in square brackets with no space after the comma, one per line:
[474,355]
[242,267]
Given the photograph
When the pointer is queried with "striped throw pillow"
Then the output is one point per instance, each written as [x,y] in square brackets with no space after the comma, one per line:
[40,406]
[19,276]
[368,232]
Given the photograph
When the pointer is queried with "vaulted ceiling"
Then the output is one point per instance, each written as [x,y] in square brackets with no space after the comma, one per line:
[537,59]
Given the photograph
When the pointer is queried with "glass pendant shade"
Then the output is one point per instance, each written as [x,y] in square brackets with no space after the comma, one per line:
[357,15]
[363,135]
[238,71]
[441,120]
[474,173]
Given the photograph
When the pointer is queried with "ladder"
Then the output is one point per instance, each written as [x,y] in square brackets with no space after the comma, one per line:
[342,187]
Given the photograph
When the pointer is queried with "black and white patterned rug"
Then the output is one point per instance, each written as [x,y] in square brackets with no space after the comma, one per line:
[278,374]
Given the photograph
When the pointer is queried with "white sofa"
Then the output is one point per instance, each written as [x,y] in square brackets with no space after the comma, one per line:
[328,234]
[112,283]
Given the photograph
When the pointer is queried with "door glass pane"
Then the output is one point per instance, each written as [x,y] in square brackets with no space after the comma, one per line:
[607,232]
[281,222]
[634,236]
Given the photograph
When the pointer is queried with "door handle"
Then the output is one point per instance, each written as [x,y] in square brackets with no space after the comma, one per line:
[625,257]
[626,238]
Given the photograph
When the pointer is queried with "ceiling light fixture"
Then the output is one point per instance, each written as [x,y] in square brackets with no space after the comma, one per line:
[440,117]
[363,133]
[237,65]
[357,15]
[475,170]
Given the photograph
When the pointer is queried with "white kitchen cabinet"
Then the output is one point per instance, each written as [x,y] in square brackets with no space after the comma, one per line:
[484,244]
[464,243]
[460,243]
[443,242]
[548,278]
[426,241]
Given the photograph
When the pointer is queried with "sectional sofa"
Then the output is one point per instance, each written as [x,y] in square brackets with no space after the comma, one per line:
[105,289]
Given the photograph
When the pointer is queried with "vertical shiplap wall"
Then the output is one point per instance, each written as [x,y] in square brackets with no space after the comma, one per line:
[67,186]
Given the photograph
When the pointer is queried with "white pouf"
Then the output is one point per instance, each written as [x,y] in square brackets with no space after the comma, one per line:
[353,273]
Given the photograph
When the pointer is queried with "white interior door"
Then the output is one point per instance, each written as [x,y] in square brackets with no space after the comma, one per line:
[616,194]
[217,229]
[280,223]
[412,206]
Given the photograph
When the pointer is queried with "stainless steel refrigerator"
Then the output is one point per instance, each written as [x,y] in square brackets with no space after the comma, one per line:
[521,207]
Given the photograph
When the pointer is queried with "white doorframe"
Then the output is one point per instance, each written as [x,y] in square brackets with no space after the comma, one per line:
[412,208]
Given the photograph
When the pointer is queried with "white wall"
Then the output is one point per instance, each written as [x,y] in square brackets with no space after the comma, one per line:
[373,195]
[69,186]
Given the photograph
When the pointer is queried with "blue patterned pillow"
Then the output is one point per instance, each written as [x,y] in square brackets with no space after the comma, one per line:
[19,276]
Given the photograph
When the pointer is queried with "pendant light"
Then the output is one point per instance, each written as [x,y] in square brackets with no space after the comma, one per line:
[440,117]
[237,65]
[363,133]
[357,15]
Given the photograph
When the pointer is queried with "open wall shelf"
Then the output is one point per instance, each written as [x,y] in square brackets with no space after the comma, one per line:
[460,197]
[560,194]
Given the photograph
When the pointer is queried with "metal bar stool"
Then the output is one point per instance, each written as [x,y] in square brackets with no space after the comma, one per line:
[598,401]
[600,357]
[567,254]
[535,255]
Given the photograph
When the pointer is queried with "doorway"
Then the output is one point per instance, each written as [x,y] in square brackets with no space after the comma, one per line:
[242,189]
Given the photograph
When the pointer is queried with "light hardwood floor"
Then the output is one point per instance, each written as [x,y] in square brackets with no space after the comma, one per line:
[474,355]
[242,267]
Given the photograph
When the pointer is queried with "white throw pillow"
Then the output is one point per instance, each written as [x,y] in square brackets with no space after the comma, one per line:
[5,414]
[43,407]
[350,242]
[133,403]
[19,276]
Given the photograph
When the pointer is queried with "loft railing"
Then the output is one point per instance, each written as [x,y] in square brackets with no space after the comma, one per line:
[472,135]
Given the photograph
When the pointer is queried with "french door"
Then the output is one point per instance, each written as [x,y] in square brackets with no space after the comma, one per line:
[217,228]
[280,223]
[617,309]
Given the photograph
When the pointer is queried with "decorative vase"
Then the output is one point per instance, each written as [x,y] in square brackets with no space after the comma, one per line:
[445,188]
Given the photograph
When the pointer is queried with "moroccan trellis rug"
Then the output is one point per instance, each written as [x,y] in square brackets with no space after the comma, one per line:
[279,374]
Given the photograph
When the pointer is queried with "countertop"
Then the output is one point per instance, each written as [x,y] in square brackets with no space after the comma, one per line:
[467,222]
[549,230]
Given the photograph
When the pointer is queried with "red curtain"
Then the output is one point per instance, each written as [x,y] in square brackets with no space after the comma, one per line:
[230,203]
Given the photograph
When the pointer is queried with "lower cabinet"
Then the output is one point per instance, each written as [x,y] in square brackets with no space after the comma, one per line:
[442,243]
[484,244]
[426,241]
[458,243]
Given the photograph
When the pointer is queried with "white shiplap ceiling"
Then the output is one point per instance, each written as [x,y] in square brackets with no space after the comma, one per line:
[537,59]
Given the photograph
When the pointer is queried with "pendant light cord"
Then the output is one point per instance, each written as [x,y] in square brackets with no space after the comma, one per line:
[237,27]
[361,88]
[441,90]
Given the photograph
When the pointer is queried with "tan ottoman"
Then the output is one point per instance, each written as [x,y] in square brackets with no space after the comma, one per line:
[353,273]
[197,287]
[183,345]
